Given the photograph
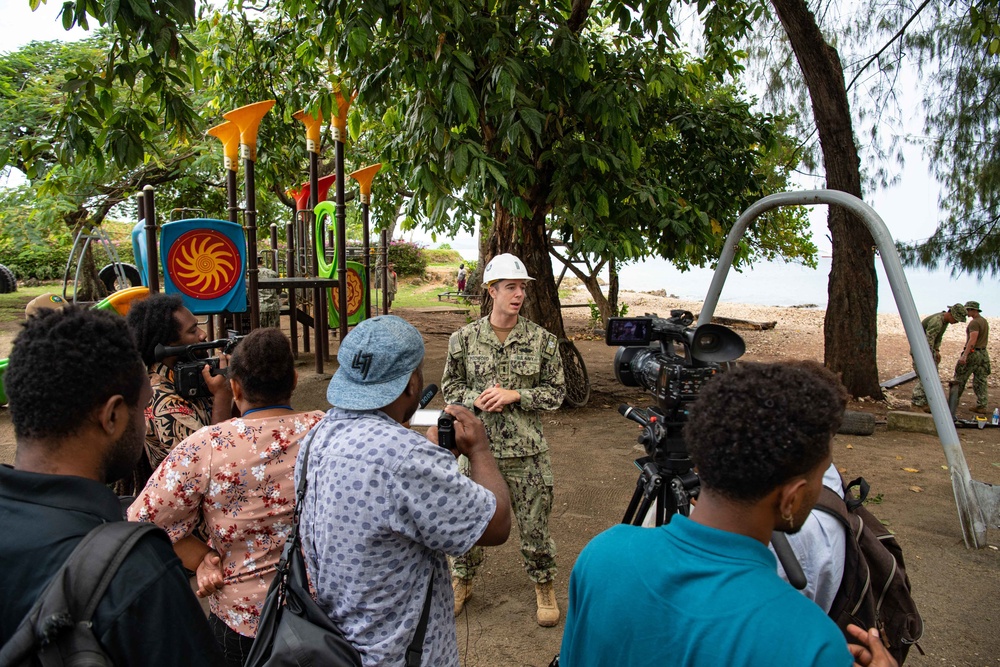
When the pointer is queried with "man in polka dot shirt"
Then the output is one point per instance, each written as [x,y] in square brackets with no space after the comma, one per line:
[386,505]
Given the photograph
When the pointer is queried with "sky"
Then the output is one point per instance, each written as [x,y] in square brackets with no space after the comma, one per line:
[909,209]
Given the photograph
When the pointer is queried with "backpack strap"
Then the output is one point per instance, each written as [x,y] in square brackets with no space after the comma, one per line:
[77,588]
[414,652]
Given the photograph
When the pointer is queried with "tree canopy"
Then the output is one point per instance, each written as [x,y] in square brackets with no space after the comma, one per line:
[523,116]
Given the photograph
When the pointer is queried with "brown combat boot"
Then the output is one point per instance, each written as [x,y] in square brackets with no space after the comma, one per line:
[981,410]
[463,591]
[548,608]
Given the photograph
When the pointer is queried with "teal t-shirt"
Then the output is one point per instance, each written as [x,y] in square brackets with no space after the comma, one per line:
[688,595]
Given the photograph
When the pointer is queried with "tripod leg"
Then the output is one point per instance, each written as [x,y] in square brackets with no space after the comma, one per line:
[634,503]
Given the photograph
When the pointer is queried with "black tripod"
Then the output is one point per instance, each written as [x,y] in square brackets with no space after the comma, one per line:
[666,475]
[668,460]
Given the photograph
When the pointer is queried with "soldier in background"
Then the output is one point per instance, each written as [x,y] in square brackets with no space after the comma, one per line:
[269,300]
[975,360]
[934,328]
[508,370]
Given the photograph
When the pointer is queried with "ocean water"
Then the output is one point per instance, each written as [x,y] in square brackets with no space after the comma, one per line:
[785,284]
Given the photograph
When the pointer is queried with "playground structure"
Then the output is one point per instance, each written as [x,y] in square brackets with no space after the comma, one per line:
[213,264]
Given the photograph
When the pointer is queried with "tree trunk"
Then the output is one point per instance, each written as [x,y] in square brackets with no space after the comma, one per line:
[528,240]
[612,288]
[850,330]
[90,287]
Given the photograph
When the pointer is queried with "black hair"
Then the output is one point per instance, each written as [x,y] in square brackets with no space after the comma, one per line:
[263,365]
[754,428]
[152,321]
[65,363]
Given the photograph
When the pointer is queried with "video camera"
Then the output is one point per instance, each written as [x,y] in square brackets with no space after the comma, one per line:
[188,380]
[670,360]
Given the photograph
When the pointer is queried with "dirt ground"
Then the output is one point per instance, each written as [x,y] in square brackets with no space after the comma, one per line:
[593,450]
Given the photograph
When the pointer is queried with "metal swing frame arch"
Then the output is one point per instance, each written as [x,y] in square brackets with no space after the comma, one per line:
[978,502]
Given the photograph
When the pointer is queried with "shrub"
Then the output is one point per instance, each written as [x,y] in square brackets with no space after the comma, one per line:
[43,262]
[47,260]
[408,258]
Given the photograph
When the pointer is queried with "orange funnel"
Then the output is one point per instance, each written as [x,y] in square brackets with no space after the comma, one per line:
[340,122]
[364,177]
[229,135]
[313,123]
[248,119]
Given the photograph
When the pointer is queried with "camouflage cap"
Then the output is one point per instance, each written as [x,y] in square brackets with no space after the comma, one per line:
[973,305]
[958,312]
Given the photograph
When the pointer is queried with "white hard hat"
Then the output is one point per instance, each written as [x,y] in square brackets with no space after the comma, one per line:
[505,267]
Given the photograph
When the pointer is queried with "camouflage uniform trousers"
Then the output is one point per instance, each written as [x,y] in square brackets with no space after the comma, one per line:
[270,318]
[529,479]
[978,366]
[919,397]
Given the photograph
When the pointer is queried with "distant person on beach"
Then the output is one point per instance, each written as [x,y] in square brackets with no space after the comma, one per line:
[975,360]
[934,327]
[462,275]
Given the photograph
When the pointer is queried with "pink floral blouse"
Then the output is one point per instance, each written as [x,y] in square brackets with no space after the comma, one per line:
[239,476]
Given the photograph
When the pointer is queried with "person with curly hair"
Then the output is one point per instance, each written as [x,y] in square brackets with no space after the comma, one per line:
[704,590]
[236,479]
[162,319]
[74,437]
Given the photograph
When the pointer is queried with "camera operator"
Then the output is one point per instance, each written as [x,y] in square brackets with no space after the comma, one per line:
[163,319]
[704,590]
[385,505]
[509,370]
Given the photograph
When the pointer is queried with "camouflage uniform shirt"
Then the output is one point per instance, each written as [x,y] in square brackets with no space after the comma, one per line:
[528,362]
[934,328]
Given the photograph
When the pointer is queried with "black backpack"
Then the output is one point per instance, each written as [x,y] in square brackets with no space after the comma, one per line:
[875,591]
[57,629]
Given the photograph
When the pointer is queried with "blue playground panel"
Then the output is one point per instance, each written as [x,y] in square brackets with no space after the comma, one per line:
[204,262]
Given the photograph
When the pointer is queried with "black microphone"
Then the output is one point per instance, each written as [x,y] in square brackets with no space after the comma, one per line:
[430,391]
[633,414]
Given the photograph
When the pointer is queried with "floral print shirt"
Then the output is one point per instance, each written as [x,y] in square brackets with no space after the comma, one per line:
[237,477]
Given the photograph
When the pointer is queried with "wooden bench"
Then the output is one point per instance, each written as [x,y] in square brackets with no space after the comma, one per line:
[471,298]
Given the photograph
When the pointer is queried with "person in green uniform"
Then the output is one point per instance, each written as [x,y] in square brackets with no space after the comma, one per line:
[934,328]
[508,370]
[975,360]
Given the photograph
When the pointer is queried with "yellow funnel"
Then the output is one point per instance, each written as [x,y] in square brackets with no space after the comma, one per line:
[364,177]
[248,119]
[229,135]
[340,122]
[313,124]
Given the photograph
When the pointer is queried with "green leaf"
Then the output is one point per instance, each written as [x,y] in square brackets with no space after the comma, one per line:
[357,40]
[495,172]
[465,106]
[603,209]
[354,123]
